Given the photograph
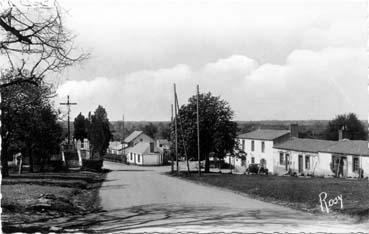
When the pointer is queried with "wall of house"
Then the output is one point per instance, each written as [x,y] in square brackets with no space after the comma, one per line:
[257,154]
[293,164]
[143,137]
[363,164]
[131,157]
[320,163]
[323,167]
[138,159]
[152,159]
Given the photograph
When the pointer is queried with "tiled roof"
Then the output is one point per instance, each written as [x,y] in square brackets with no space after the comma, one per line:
[142,148]
[264,134]
[354,147]
[305,145]
[132,136]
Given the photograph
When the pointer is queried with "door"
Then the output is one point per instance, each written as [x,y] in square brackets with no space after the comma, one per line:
[301,164]
[287,161]
[345,167]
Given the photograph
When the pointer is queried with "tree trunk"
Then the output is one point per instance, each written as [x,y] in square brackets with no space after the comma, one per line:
[42,162]
[207,164]
[29,152]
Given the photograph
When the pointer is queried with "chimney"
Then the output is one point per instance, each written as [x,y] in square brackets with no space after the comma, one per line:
[294,130]
[151,147]
[340,134]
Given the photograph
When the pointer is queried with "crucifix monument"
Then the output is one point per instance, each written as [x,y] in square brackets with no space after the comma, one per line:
[68,104]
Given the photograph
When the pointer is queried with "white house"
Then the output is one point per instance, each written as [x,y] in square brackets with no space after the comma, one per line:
[136,137]
[344,158]
[347,157]
[258,146]
[144,153]
[301,156]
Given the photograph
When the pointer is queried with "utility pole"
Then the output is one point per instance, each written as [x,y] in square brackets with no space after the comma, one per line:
[171,155]
[175,125]
[198,129]
[123,139]
[68,104]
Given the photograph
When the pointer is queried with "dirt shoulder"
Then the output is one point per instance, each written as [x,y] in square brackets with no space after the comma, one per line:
[33,198]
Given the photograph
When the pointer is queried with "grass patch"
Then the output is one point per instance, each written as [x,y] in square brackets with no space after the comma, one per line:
[37,197]
[300,193]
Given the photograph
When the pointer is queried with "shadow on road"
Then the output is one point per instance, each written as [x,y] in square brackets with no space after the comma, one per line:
[171,216]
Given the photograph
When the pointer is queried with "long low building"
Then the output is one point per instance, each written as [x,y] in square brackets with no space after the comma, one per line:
[344,158]
[282,152]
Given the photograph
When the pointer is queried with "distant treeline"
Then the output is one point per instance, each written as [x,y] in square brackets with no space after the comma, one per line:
[160,129]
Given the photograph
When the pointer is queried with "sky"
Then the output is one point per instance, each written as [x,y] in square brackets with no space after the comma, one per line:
[270,60]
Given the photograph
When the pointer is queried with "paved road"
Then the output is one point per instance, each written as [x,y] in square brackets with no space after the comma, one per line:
[143,199]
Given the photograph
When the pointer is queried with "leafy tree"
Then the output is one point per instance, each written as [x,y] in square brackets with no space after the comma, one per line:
[150,129]
[34,43]
[80,130]
[164,131]
[99,132]
[352,128]
[29,123]
[46,135]
[217,130]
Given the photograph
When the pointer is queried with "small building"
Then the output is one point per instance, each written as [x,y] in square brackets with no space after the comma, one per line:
[258,146]
[144,154]
[346,158]
[136,137]
[83,149]
[301,156]
[115,147]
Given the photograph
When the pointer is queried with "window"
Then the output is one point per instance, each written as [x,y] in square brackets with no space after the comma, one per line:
[131,156]
[262,146]
[252,145]
[355,164]
[243,145]
[307,162]
[252,160]
[281,158]
[138,158]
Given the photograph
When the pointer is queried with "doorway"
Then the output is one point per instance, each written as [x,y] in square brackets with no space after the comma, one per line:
[287,161]
[301,164]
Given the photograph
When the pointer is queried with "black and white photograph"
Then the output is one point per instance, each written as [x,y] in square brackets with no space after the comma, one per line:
[184,116]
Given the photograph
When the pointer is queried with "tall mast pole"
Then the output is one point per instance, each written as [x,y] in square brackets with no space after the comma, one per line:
[123,138]
[171,155]
[198,128]
[175,126]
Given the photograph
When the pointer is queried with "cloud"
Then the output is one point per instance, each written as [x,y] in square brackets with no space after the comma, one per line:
[309,85]
[234,64]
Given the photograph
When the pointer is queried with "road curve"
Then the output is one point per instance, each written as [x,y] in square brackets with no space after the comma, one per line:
[143,199]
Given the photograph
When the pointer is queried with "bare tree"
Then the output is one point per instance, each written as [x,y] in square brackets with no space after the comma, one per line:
[34,39]
[34,42]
